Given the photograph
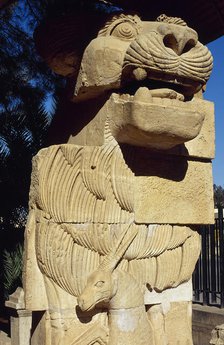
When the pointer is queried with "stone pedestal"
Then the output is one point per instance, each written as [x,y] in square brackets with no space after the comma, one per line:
[4,339]
[20,318]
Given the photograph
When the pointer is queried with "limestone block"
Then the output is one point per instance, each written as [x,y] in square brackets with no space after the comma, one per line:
[176,191]
[181,128]
[170,329]
[20,319]
[154,122]
[203,145]
[4,339]
[129,181]
[16,300]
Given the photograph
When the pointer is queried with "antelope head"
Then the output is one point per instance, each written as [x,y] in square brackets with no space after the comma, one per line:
[102,284]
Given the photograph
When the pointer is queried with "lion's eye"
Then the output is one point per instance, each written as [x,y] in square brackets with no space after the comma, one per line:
[124,31]
[99,283]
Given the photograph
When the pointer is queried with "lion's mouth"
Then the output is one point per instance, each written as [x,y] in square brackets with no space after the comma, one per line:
[165,96]
[156,114]
[159,85]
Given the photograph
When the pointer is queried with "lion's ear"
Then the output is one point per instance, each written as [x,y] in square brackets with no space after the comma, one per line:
[58,43]
[62,41]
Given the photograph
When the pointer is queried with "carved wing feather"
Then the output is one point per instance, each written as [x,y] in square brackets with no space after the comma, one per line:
[76,185]
[86,193]
[170,268]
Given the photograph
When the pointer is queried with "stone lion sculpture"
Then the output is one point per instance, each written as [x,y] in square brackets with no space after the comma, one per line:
[111,239]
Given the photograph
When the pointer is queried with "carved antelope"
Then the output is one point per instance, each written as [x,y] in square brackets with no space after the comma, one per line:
[128,322]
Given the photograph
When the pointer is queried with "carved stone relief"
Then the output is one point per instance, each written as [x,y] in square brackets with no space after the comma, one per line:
[217,335]
[114,212]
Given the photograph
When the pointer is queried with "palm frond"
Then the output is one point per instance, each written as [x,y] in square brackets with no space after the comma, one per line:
[4,148]
[12,269]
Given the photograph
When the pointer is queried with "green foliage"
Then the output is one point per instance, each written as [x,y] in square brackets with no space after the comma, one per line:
[12,269]
[27,87]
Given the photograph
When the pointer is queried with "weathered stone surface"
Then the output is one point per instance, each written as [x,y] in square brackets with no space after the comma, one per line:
[163,318]
[155,122]
[20,318]
[4,339]
[202,146]
[111,238]
[218,335]
[191,193]
[204,320]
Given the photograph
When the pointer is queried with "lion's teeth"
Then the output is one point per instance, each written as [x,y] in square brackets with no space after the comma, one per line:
[143,95]
[124,97]
[167,93]
[139,73]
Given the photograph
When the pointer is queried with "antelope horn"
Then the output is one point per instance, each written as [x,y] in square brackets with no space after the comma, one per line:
[112,259]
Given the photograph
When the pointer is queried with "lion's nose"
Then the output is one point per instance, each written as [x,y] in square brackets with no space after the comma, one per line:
[179,42]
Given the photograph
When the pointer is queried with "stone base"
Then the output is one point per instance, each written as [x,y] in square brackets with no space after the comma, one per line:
[205,319]
[4,339]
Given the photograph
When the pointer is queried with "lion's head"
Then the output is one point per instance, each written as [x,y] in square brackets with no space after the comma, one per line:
[150,72]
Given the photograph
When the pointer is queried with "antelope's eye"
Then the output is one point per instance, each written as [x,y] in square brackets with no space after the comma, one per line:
[99,283]
[125,31]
